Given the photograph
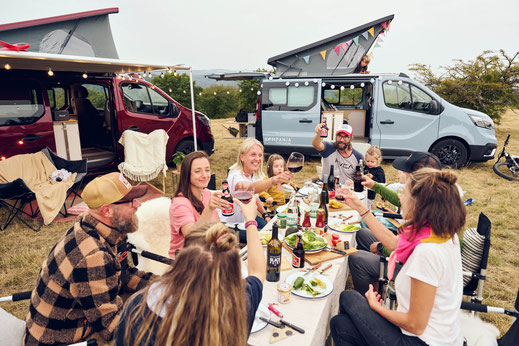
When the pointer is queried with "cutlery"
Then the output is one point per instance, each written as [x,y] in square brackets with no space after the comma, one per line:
[334,250]
[296,328]
[275,324]
[312,269]
[325,269]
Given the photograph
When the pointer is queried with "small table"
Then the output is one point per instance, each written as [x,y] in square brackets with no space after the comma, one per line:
[243,128]
[311,315]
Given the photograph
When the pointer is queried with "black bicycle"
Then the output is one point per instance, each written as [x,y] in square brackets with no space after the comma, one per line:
[509,169]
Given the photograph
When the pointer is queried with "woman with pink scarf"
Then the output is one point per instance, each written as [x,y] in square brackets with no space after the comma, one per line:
[429,285]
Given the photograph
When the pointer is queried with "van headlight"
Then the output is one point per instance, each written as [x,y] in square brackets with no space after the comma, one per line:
[204,119]
[481,122]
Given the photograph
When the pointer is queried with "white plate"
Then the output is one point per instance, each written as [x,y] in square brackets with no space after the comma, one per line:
[309,251]
[302,293]
[258,324]
[336,228]
[282,209]
[265,234]
[334,224]
[287,188]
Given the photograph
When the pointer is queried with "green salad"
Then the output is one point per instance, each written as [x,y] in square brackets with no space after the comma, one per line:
[311,241]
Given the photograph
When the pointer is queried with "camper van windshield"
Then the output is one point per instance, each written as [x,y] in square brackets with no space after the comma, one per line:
[20,103]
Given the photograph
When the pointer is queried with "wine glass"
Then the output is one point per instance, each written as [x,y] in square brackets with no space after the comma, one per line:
[244,191]
[295,162]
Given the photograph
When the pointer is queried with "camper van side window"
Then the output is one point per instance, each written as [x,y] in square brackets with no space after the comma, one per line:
[421,100]
[279,97]
[20,103]
[136,98]
[397,96]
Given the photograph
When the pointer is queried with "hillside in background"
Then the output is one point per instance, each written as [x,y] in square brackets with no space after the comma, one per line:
[201,81]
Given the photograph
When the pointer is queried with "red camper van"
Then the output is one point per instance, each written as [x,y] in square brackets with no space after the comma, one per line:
[100,97]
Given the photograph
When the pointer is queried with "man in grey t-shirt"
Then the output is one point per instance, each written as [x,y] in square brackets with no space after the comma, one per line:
[339,154]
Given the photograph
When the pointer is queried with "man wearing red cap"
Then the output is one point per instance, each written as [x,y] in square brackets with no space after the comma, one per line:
[339,154]
[79,286]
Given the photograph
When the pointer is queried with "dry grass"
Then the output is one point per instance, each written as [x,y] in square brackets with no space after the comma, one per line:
[24,251]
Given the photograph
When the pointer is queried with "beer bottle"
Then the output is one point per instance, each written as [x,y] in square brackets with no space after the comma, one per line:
[357,180]
[229,211]
[324,205]
[324,129]
[298,257]
[331,183]
[274,256]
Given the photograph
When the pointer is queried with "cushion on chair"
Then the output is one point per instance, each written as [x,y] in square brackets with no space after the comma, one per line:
[471,252]
[12,329]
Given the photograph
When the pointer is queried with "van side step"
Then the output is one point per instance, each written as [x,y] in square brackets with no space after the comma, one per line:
[97,157]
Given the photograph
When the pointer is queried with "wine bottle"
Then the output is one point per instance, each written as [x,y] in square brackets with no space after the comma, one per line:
[324,205]
[357,180]
[229,211]
[298,257]
[325,188]
[331,180]
[273,256]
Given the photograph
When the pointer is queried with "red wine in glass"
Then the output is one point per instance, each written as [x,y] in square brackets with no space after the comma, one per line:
[243,196]
[294,168]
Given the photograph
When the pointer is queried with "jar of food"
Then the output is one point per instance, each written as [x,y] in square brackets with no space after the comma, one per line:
[284,290]
[282,220]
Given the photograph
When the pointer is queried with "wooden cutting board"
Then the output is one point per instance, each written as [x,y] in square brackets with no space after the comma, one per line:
[323,256]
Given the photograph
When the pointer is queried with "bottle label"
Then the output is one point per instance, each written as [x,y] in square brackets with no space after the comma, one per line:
[296,261]
[292,216]
[274,260]
[228,211]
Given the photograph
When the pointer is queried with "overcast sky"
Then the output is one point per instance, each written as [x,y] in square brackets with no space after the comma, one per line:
[242,35]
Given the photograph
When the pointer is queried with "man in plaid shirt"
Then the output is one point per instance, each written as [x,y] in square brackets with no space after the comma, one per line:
[79,286]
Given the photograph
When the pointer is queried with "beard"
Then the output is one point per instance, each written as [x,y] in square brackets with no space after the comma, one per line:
[342,145]
[124,224]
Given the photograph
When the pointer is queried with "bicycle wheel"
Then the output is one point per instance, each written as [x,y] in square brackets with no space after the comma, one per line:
[502,169]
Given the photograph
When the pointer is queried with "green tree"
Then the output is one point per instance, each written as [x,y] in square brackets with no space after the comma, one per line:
[178,88]
[489,84]
[249,91]
[219,101]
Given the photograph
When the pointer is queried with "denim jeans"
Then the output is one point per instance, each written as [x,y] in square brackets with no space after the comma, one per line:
[358,324]
[364,265]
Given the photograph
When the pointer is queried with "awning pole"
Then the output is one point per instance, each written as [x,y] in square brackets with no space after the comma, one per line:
[193,106]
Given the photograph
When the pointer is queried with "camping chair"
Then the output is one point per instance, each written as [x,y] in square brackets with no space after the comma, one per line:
[73,166]
[144,155]
[474,258]
[14,196]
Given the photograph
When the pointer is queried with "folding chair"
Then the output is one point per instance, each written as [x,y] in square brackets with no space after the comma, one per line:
[14,196]
[73,166]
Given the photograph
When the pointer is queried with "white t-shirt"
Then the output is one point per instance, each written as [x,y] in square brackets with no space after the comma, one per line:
[233,178]
[438,265]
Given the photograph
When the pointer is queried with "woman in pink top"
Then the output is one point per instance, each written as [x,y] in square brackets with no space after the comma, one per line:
[193,203]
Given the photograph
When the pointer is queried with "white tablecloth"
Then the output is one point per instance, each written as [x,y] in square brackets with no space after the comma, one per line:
[313,315]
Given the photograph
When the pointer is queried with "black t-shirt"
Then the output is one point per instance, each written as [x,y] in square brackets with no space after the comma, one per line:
[253,295]
[378,176]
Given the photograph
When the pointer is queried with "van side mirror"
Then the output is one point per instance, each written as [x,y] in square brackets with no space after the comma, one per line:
[435,107]
[173,110]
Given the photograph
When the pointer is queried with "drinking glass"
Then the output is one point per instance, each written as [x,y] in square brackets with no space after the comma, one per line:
[295,162]
[244,191]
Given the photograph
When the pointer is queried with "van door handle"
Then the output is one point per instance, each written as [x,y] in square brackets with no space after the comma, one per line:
[31,138]
[133,128]
[305,121]
[388,121]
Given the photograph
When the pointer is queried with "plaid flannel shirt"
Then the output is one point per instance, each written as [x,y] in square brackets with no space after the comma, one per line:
[77,291]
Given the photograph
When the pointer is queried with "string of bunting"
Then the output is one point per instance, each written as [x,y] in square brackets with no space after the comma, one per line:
[345,45]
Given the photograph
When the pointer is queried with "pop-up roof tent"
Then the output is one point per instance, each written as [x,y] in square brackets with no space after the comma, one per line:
[336,55]
[84,33]
[79,42]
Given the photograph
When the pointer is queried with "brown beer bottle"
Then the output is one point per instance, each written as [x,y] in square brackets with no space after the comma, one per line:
[228,197]
[324,129]
[357,180]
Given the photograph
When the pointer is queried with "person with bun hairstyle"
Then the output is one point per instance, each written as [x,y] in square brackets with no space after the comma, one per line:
[430,284]
[193,203]
[202,299]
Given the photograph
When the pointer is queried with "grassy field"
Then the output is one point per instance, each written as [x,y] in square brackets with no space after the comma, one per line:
[24,251]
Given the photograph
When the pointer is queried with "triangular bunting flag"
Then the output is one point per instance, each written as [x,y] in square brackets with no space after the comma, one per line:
[379,39]
[383,33]
[356,41]
[384,25]
[337,49]
[348,43]
[307,58]
[377,45]
[323,54]
[344,45]
[365,35]
[372,31]
[388,25]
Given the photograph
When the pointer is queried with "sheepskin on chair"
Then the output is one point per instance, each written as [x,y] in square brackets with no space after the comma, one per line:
[476,332]
[153,233]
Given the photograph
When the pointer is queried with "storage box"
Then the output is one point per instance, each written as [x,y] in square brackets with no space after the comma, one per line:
[66,134]
[60,115]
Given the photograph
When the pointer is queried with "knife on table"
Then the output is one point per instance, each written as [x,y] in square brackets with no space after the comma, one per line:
[296,328]
[275,324]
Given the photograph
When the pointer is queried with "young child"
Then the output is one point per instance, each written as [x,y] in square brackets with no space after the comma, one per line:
[373,158]
[275,166]
[362,67]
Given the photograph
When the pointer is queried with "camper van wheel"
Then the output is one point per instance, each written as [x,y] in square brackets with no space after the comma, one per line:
[451,153]
[186,146]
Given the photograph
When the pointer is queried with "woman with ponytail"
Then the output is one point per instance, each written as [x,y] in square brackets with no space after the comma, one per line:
[202,299]
[429,285]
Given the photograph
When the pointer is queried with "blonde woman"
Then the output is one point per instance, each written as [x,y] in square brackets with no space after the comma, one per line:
[248,169]
[202,299]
